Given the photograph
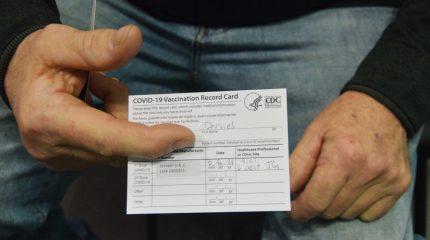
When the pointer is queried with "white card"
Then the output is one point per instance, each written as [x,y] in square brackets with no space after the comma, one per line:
[238,163]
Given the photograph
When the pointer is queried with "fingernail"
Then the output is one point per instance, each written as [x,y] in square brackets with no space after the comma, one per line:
[121,35]
[187,142]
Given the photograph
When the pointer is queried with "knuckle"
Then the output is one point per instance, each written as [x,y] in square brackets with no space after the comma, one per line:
[52,29]
[36,153]
[46,33]
[35,137]
[33,124]
[400,180]
[313,130]
[373,169]
[28,129]
[314,206]
[349,148]
[329,215]
[105,147]
[377,168]
[392,175]
[404,184]
[347,216]
[39,153]
[310,129]
[366,217]
[105,151]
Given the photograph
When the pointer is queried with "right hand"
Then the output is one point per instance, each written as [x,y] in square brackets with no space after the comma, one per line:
[44,79]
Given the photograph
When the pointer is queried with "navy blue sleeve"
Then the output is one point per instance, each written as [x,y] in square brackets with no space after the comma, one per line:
[397,70]
[18,19]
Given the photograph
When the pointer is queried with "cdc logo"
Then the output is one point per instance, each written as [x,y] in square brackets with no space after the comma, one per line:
[252,101]
[272,101]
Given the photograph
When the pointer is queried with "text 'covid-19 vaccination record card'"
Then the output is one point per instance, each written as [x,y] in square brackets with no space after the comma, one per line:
[238,163]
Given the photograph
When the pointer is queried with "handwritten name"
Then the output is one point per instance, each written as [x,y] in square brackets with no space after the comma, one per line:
[218,126]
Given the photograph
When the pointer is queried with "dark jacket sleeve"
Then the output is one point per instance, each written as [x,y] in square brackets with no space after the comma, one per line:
[397,71]
[19,18]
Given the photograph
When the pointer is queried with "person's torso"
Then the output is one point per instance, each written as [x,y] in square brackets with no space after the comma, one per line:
[221,13]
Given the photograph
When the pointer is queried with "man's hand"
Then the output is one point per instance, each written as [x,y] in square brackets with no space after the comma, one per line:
[351,162]
[44,79]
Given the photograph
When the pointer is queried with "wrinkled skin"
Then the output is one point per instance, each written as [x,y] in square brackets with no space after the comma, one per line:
[351,162]
[44,79]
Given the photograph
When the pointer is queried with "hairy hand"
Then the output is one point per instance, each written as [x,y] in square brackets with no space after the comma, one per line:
[44,79]
[351,162]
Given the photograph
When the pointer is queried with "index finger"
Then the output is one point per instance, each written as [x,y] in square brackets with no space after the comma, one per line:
[104,134]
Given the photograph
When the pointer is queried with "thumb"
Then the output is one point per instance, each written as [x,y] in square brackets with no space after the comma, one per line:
[98,50]
[303,159]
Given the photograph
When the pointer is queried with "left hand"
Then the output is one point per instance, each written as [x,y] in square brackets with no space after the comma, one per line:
[351,162]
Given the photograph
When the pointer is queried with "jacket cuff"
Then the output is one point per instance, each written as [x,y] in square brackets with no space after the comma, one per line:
[7,55]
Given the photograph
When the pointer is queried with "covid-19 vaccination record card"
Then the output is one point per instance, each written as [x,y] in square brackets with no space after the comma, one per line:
[239,161]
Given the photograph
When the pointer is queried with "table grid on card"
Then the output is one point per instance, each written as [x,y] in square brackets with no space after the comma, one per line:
[223,178]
